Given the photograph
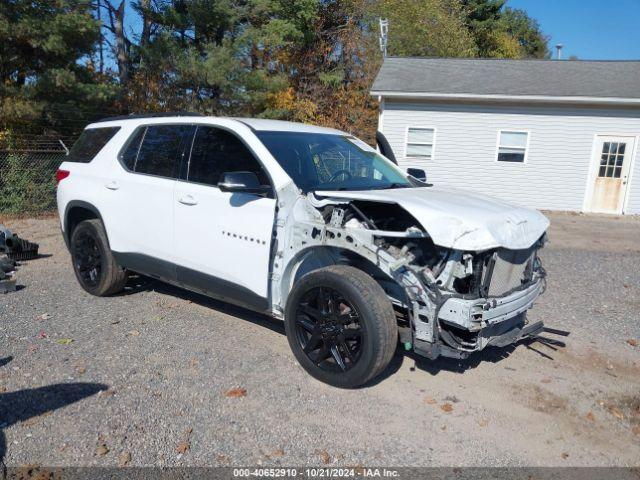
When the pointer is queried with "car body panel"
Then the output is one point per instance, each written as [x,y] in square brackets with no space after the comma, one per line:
[460,219]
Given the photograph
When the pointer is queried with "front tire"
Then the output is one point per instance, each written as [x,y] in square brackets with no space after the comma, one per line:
[341,326]
[93,263]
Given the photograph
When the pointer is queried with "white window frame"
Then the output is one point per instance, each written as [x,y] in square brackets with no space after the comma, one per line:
[433,143]
[526,148]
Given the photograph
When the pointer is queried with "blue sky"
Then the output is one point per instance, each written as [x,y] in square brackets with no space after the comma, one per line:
[589,29]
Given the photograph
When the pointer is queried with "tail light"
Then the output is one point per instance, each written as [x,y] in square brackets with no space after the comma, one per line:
[61,175]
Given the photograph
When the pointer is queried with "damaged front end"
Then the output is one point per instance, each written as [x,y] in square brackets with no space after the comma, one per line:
[448,301]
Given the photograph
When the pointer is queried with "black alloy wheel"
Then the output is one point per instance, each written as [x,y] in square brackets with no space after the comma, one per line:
[93,262]
[329,330]
[340,325]
[87,259]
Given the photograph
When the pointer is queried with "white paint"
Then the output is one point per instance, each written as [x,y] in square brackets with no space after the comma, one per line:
[556,175]
[226,235]
[459,219]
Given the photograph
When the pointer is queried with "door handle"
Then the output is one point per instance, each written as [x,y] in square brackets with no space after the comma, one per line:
[188,200]
[112,185]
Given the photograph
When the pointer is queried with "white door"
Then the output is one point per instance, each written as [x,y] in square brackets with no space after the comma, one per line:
[139,197]
[223,239]
[610,180]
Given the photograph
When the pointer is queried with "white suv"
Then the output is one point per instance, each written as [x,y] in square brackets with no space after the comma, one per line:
[307,224]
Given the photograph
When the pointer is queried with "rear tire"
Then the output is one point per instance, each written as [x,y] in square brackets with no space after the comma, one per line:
[93,263]
[341,326]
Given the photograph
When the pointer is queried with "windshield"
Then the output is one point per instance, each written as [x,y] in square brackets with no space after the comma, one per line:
[318,161]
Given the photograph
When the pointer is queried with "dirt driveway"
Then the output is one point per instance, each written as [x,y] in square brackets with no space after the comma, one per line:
[147,378]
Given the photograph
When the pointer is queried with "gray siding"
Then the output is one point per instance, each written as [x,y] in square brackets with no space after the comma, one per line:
[561,140]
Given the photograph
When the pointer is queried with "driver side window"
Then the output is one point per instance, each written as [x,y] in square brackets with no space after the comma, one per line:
[216,151]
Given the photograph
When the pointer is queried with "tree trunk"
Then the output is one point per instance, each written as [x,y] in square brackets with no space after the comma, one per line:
[122,54]
[146,23]
[101,41]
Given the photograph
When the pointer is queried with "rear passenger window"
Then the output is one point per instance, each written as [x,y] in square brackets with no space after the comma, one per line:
[161,149]
[91,141]
[130,153]
[216,151]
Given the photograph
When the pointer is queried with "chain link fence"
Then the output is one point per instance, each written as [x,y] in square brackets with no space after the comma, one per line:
[27,174]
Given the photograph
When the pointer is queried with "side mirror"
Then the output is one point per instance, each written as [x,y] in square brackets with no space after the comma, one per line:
[242,182]
[418,174]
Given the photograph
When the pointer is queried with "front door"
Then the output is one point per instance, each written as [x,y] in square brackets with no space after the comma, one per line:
[223,239]
[612,164]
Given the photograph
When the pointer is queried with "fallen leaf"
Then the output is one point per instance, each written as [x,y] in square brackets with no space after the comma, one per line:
[483,423]
[616,413]
[545,380]
[44,316]
[633,342]
[446,407]
[133,333]
[324,456]
[106,393]
[3,389]
[443,428]
[625,285]
[193,363]
[102,450]
[636,430]
[430,401]
[236,393]
[124,459]
[64,341]
[221,458]
[183,447]
[591,417]
[80,369]
[564,455]
[276,453]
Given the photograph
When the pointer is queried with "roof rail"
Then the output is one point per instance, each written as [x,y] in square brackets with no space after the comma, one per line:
[134,116]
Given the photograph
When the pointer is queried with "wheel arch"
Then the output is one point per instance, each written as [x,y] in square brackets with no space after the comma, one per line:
[75,212]
[316,257]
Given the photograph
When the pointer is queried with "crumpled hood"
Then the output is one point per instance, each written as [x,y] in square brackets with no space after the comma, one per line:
[460,219]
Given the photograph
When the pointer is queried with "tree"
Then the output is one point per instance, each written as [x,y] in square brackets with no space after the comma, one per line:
[45,74]
[433,28]
[503,32]
[218,57]
[527,32]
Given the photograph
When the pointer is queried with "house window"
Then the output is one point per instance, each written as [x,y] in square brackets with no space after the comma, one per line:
[420,142]
[512,146]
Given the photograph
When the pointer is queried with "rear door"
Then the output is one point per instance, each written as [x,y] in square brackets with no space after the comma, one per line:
[140,198]
[223,239]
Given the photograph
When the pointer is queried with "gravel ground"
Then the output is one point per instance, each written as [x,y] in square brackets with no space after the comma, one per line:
[147,378]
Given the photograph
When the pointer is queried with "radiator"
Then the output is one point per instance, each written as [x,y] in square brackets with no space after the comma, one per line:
[508,269]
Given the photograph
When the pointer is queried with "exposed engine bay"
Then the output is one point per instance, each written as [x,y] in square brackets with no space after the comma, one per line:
[449,301]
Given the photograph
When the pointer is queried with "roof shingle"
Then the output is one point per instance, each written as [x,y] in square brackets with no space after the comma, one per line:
[601,79]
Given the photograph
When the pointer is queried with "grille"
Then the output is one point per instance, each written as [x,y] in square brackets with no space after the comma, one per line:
[508,269]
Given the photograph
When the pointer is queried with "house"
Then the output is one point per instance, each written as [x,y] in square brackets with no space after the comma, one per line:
[547,134]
